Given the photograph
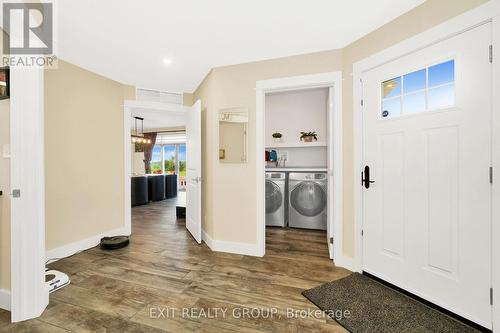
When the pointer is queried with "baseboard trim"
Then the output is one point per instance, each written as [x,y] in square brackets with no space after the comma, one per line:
[347,263]
[247,249]
[5,299]
[81,245]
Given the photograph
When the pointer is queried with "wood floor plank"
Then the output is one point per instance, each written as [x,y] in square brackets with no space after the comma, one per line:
[140,277]
[140,293]
[28,326]
[113,304]
[164,268]
[78,319]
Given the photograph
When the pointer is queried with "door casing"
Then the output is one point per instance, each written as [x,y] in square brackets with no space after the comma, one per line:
[333,81]
[129,105]
[489,12]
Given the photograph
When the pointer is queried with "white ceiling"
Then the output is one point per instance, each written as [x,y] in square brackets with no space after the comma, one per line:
[127,40]
[157,119]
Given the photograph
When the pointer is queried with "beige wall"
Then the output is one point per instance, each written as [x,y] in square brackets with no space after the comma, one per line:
[187,99]
[5,198]
[128,92]
[229,210]
[229,190]
[84,155]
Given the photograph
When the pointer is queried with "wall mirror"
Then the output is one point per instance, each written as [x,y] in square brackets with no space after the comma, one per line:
[233,124]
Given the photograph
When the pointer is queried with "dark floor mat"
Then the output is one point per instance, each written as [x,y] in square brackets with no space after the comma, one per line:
[374,307]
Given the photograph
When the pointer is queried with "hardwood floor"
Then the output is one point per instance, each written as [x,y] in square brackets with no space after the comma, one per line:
[165,282]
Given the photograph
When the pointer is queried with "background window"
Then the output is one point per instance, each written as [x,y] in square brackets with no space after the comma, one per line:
[169,156]
[172,157]
[182,166]
[156,160]
[182,160]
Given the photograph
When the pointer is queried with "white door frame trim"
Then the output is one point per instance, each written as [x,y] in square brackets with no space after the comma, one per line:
[488,12]
[495,214]
[326,80]
[128,106]
[29,293]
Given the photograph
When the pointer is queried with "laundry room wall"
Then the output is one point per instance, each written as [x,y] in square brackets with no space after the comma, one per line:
[292,112]
[229,212]
[310,157]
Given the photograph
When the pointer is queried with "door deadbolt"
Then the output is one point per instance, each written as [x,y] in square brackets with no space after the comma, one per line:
[365,177]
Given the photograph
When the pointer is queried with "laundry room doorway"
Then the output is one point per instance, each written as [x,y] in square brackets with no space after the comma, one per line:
[299,187]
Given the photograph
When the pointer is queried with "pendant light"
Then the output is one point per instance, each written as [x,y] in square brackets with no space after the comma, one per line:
[138,137]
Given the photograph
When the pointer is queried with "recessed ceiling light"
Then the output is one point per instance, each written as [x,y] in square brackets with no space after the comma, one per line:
[167,61]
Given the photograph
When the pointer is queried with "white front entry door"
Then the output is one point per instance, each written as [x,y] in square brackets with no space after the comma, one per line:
[193,171]
[427,143]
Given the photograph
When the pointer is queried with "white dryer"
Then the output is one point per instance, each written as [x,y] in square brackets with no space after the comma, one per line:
[307,200]
[275,199]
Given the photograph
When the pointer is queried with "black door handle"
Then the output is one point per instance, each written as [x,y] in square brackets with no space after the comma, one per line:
[365,177]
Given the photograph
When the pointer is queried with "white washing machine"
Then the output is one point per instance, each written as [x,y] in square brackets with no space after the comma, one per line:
[307,196]
[275,199]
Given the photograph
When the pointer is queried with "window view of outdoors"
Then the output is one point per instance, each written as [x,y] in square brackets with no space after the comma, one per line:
[156,160]
[182,166]
[169,154]
[171,165]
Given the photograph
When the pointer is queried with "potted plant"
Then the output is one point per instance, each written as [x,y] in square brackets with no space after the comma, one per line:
[277,137]
[308,136]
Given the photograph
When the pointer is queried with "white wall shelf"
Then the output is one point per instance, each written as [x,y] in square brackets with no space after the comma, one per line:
[296,144]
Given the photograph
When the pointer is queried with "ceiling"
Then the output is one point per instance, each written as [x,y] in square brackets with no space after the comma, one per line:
[158,119]
[128,40]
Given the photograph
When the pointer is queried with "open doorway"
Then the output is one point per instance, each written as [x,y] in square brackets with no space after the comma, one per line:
[296,160]
[162,150]
[299,195]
